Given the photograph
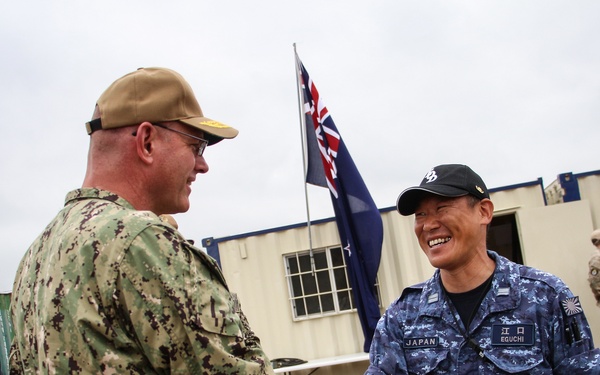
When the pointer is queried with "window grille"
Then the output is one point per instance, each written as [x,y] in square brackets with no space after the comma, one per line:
[326,291]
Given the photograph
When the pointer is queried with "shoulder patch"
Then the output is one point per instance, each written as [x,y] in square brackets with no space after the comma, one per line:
[571,306]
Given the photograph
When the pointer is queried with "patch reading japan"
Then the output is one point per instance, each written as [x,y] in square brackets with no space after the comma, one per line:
[420,342]
[571,306]
[513,334]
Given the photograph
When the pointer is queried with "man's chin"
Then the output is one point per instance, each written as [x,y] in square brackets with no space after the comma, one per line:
[178,209]
[436,258]
[183,209]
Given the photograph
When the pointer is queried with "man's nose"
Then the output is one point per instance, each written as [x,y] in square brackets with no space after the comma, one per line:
[201,165]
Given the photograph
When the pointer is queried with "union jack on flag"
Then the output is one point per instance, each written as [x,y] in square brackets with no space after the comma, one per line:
[571,306]
[327,137]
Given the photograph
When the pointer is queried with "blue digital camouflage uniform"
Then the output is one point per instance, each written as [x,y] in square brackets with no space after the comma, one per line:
[529,322]
[107,289]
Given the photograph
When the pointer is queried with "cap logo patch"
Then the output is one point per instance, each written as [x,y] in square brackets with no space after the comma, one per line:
[431,176]
[479,189]
[213,124]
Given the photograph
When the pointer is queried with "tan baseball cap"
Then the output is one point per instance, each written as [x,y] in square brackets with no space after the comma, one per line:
[154,95]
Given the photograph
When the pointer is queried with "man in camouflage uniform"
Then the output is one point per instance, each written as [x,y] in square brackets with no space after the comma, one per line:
[480,313]
[109,287]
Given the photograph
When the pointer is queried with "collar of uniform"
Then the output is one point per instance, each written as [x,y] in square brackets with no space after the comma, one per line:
[94,193]
[505,294]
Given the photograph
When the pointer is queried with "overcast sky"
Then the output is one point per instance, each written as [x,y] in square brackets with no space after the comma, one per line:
[510,88]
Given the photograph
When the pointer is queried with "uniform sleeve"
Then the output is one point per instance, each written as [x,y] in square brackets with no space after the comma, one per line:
[180,310]
[574,351]
[386,355]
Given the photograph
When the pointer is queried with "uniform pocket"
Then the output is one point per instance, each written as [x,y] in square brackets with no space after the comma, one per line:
[514,359]
[427,361]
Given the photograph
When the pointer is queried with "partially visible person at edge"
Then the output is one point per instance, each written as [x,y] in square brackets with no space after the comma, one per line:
[109,287]
[594,267]
[480,313]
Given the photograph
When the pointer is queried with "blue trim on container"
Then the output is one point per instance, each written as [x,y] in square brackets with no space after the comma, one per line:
[210,241]
[585,174]
[517,186]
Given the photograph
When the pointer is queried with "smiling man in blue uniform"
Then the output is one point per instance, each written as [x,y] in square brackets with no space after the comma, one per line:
[480,313]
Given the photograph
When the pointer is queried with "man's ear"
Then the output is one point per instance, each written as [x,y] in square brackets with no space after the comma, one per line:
[145,141]
[486,208]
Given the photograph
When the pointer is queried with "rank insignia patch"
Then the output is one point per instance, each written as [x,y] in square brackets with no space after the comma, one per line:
[571,306]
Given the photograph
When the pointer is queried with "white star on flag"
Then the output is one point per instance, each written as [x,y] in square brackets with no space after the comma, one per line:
[347,248]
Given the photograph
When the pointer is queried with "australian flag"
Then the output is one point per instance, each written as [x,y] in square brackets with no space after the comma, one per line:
[358,219]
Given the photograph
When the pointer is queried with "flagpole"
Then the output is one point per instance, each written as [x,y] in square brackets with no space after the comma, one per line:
[302,140]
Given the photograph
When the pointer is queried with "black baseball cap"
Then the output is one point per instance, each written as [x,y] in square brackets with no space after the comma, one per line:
[447,180]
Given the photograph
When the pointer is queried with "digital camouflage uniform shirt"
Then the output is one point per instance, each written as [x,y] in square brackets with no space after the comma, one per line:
[529,322]
[107,289]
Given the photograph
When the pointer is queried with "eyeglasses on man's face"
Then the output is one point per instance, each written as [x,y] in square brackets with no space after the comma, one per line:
[199,147]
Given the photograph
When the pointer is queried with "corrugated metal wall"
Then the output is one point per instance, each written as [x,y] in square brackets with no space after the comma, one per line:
[6,332]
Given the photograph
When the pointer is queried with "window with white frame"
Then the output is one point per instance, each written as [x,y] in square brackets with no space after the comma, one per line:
[323,292]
